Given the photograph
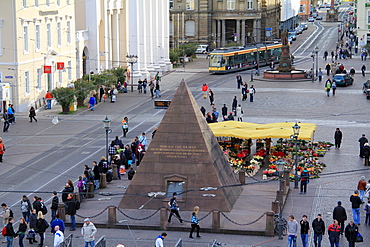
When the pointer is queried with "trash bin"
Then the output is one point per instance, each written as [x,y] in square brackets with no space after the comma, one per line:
[367,93]
[73,106]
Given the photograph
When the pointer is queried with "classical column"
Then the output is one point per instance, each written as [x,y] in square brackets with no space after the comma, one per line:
[149,33]
[156,21]
[115,38]
[243,32]
[166,35]
[106,36]
[255,30]
[110,40]
[218,33]
[143,36]
[238,31]
[161,33]
[223,31]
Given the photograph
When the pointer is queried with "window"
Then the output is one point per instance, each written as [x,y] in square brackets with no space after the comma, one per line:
[368,17]
[250,4]
[48,34]
[68,2]
[230,5]
[47,3]
[190,28]
[171,27]
[189,4]
[68,32]
[60,75]
[69,71]
[38,42]
[171,4]
[27,81]
[24,3]
[1,45]
[39,76]
[58,2]
[59,30]
[25,39]
[174,187]
[36,3]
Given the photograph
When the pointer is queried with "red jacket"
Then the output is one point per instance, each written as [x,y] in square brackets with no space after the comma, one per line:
[204,88]
[334,233]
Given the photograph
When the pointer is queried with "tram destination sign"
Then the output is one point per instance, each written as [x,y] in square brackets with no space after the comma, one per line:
[162,104]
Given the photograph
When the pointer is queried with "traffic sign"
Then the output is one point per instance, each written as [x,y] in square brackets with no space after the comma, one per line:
[8,77]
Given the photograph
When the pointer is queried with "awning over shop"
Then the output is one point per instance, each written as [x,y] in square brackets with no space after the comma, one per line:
[245,130]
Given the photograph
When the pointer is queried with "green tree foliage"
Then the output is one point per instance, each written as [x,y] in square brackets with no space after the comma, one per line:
[83,89]
[64,95]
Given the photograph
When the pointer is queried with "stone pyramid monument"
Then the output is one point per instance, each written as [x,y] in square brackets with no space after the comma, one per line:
[183,157]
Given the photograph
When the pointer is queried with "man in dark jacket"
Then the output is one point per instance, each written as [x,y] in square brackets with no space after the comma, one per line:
[351,233]
[356,203]
[318,227]
[67,189]
[305,230]
[54,205]
[339,214]
[96,175]
[10,234]
[224,110]
[36,204]
[362,142]
[72,207]
[337,138]
[234,105]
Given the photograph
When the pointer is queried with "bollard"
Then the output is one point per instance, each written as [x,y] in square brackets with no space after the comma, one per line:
[112,216]
[242,177]
[275,206]
[270,223]
[115,172]
[287,177]
[163,216]
[284,187]
[216,222]
[103,181]
[90,190]
[62,211]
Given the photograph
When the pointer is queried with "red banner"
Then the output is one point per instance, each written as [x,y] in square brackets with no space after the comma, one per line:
[47,69]
[60,65]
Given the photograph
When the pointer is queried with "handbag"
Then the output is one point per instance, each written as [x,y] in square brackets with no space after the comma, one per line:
[359,238]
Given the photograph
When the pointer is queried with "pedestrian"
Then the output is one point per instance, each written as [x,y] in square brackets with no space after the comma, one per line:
[234,105]
[92,102]
[204,90]
[305,176]
[140,86]
[328,68]
[11,114]
[72,207]
[305,230]
[320,75]
[88,231]
[340,214]
[32,226]
[36,204]
[337,138]
[57,222]
[351,233]
[224,110]
[159,240]
[332,55]
[2,149]
[101,92]
[26,208]
[48,97]
[194,222]
[82,188]
[96,171]
[157,77]
[154,132]
[203,110]
[157,90]
[22,229]
[244,92]
[239,113]
[174,208]
[367,210]
[318,227]
[231,117]
[6,215]
[41,226]
[292,231]
[151,88]
[334,231]
[356,203]
[239,80]
[32,114]
[130,173]
[252,92]
[352,72]
[145,84]
[54,205]
[361,187]
[334,87]
[366,152]
[363,69]
[328,86]
[362,142]
[10,234]
[143,140]
[211,96]
[125,126]
[58,236]
[6,121]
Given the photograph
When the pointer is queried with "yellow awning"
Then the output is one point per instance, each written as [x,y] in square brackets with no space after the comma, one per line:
[245,130]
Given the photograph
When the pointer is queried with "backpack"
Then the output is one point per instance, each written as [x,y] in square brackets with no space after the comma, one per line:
[91,173]
[105,164]
[44,209]
[3,232]
[78,204]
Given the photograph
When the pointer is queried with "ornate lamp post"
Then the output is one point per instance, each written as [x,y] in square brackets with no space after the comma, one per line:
[313,65]
[280,164]
[131,59]
[106,123]
[296,129]
[317,60]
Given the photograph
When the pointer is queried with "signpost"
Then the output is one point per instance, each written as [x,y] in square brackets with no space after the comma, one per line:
[162,104]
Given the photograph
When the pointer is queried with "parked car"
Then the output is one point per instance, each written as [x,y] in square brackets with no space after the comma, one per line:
[298,30]
[304,26]
[293,35]
[290,40]
[343,80]
[311,19]
[201,49]
[319,17]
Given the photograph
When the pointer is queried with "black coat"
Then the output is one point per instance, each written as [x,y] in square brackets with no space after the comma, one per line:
[10,230]
[33,220]
[362,141]
[355,200]
[235,103]
[224,111]
[54,203]
[37,205]
[65,193]
[351,232]
[71,206]
[41,225]
[96,172]
[366,151]
[318,226]
[338,135]
[339,214]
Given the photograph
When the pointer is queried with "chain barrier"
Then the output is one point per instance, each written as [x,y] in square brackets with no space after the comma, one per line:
[246,224]
[145,218]
[94,216]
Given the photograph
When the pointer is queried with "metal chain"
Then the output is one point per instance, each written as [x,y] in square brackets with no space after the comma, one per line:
[246,224]
[94,216]
[132,218]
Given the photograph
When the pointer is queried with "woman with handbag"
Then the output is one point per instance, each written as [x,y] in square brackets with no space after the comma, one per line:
[41,226]
[22,229]
[351,233]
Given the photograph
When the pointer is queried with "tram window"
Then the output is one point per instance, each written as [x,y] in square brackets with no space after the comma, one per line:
[224,61]
[232,60]
[262,54]
[215,60]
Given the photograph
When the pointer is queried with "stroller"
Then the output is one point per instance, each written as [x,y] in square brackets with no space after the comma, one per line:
[31,236]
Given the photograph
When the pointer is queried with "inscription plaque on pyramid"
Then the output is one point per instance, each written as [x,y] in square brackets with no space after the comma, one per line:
[186,154]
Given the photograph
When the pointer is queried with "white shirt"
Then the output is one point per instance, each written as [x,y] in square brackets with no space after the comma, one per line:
[159,242]
[58,238]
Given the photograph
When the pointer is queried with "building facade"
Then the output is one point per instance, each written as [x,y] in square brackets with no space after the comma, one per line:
[37,49]
[290,13]
[362,18]
[222,22]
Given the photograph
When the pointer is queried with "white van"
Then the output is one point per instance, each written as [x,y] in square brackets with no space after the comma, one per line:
[201,49]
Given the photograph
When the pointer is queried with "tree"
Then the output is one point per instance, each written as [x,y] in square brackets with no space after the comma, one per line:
[82,90]
[65,97]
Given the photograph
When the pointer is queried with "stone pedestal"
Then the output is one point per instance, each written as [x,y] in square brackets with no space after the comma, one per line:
[216,221]
[90,190]
[112,216]
[163,216]
[62,211]
[115,172]
[103,181]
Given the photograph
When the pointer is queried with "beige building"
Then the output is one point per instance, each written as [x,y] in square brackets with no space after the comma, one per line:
[219,23]
[362,14]
[36,36]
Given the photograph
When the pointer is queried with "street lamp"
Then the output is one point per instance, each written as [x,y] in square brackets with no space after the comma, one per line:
[280,164]
[131,59]
[106,123]
[296,129]
[313,66]
[317,61]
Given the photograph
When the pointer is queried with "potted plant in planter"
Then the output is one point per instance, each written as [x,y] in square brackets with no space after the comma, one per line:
[65,97]
[82,90]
